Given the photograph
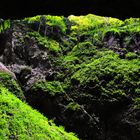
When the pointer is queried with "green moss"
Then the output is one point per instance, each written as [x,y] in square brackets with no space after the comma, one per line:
[52,88]
[8,82]
[50,20]
[73,106]
[45,42]
[92,24]
[131,55]
[132,25]
[56,21]
[98,26]
[87,70]
[136,103]
[108,73]
[32,19]
[137,90]
[84,48]
[82,52]
[4,25]
[19,121]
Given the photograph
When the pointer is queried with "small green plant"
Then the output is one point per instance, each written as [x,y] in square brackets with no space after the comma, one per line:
[107,73]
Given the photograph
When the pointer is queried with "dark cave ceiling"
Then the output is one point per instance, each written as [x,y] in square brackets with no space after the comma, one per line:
[24,8]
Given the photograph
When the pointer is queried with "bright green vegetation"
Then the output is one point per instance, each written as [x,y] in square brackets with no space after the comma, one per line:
[103,71]
[50,20]
[132,25]
[95,68]
[19,121]
[92,23]
[98,26]
[52,88]
[45,42]
[4,25]
[94,26]
[8,82]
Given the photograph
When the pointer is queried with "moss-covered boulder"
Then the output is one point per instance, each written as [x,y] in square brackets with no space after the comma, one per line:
[19,121]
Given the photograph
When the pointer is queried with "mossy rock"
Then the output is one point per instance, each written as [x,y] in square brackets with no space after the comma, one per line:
[95,65]
[49,87]
[19,121]
[7,81]
[45,42]
[107,72]
[48,20]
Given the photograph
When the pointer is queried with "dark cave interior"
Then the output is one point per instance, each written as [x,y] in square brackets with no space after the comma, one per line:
[115,8]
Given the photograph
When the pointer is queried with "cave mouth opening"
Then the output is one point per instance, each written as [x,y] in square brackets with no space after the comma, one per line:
[117,8]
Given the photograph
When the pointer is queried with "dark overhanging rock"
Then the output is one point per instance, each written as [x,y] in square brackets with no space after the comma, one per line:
[19,9]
